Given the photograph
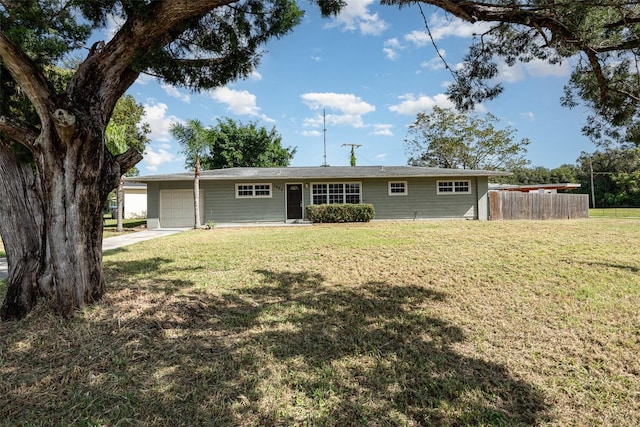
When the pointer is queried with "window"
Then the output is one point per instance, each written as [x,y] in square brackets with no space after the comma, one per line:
[398,188]
[454,187]
[335,193]
[253,190]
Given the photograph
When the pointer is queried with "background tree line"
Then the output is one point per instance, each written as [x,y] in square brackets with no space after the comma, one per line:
[615,173]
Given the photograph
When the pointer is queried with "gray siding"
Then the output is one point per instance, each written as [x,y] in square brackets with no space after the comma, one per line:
[221,204]
[421,201]
[153,204]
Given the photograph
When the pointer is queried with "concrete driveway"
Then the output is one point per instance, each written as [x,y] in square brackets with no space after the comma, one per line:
[115,242]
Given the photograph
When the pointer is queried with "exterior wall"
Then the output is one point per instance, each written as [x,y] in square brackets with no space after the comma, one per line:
[421,201]
[135,203]
[153,205]
[221,204]
[482,189]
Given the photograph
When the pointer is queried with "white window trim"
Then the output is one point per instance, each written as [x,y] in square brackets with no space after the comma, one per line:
[333,182]
[453,181]
[404,193]
[253,185]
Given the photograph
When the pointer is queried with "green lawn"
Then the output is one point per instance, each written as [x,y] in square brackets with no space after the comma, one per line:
[614,213]
[127,224]
[380,324]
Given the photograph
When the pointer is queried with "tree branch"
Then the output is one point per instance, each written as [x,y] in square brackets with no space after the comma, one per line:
[18,131]
[111,65]
[128,159]
[27,74]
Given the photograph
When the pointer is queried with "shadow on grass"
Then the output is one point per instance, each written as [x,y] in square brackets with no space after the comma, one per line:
[290,350]
[631,268]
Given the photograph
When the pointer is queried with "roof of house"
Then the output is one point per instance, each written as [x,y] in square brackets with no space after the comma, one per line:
[320,172]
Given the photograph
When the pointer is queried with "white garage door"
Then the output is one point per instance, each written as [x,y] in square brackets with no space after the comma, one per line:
[176,208]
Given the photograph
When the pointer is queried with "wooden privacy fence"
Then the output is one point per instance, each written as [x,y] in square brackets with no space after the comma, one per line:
[504,205]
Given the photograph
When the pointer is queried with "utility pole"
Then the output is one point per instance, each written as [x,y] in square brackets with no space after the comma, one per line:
[593,191]
[353,152]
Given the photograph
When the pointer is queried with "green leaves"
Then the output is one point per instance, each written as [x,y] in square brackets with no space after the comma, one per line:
[448,139]
[221,45]
[600,38]
[232,144]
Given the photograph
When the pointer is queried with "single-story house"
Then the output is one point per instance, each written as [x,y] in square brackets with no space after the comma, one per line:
[237,195]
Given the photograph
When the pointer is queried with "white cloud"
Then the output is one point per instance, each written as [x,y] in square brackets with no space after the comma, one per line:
[114,23]
[529,115]
[443,26]
[391,48]
[173,92]
[159,121]
[153,159]
[349,108]
[435,63]
[144,79]
[345,102]
[418,38]
[412,105]
[540,68]
[381,156]
[310,133]
[255,76]
[534,68]
[355,15]
[382,130]
[240,102]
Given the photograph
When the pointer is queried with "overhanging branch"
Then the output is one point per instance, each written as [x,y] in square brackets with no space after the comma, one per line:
[18,131]
[28,76]
[128,159]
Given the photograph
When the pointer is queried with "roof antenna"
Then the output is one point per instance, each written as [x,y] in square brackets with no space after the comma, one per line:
[353,152]
[324,136]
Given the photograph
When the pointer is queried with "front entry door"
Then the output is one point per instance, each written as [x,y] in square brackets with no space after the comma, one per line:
[294,201]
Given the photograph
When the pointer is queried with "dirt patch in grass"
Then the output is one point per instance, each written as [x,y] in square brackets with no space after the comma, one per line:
[408,323]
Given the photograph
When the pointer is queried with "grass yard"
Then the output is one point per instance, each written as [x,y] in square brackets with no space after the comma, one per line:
[614,213]
[380,324]
[128,225]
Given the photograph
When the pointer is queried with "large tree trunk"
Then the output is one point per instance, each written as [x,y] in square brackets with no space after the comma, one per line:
[80,174]
[22,231]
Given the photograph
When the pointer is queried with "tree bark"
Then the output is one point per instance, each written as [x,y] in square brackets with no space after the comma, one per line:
[80,174]
[22,230]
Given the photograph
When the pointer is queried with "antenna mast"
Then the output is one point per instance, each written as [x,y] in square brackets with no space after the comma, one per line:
[353,152]
[324,136]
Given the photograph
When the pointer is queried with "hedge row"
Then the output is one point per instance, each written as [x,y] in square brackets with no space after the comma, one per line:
[340,213]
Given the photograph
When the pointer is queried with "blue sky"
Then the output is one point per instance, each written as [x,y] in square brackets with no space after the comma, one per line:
[371,69]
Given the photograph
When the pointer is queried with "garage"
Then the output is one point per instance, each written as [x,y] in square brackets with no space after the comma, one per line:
[176,208]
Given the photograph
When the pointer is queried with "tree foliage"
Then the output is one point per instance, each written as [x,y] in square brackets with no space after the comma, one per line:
[602,38]
[540,175]
[192,136]
[54,249]
[449,139]
[616,176]
[126,129]
[234,144]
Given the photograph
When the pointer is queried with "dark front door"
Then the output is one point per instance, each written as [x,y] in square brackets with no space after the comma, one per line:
[294,201]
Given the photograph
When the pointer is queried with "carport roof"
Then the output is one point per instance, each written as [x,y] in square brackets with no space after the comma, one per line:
[320,172]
